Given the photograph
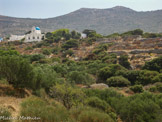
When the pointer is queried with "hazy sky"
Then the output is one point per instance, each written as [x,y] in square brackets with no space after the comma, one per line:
[52,8]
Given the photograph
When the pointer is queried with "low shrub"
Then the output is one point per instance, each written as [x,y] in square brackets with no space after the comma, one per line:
[88,114]
[137,88]
[118,81]
[98,103]
[36,107]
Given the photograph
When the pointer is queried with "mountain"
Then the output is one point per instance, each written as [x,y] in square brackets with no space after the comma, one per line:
[104,21]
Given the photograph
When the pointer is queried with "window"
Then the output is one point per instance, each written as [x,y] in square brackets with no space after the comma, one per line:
[38,37]
[29,38]
[33,37]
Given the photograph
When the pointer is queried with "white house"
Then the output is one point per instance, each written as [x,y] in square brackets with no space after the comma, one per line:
[83,35]
[35,35]
[16,37]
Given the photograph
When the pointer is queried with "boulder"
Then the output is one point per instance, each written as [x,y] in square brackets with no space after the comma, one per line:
[99,86]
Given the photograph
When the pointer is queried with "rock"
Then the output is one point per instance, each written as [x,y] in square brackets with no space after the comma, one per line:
[99,86]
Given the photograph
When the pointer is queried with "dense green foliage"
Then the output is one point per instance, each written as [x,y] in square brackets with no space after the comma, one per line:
[155,64]
[17,71]
[63,80]
[118,81]
[137,88]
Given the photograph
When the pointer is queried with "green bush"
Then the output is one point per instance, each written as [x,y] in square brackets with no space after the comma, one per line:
[45,77]
[98,103]
[153,89]
[70,44]
[80,78]
[109,71]
[36,107]
[88,114]
[137,88]
[139,108]
[68,52]
[94,116]
[154,65]
[36,57]
[118,81]
[157,78]
[17,71]
[156,88]
[46,51]
[146,77]
[67,95]
[123,60]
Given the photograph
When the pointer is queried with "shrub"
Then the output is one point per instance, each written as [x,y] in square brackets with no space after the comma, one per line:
[71,44]
[157,78]
[139,108]
[137,88]
[153,89]
[80,77]
[146,77]
[36,107]
[118,81]
[131,75]
[68,52]
[159,87]
[88,114]
[109,71]
[17,71]
[123,60]
[98,103]
[46,51]
[154,65]
[45,77]
[94,116]
[37,57]
[67,95]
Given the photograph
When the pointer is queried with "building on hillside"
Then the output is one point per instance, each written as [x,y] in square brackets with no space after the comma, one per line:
[83,35]
[16,37]
[34,35]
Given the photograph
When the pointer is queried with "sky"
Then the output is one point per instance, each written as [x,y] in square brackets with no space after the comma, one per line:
[53,8]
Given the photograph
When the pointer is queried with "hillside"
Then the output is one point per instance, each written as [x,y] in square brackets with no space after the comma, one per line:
[105,21]
[67,79]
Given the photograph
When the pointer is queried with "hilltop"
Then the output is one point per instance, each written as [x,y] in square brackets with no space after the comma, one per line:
[105,21]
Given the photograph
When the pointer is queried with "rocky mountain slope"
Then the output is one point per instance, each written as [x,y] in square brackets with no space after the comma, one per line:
[105,21]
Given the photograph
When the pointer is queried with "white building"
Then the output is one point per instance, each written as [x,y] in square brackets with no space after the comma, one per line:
[16,37]
[83,35]
[35,35]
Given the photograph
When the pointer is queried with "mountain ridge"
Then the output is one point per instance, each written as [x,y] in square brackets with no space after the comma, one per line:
[105,21]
